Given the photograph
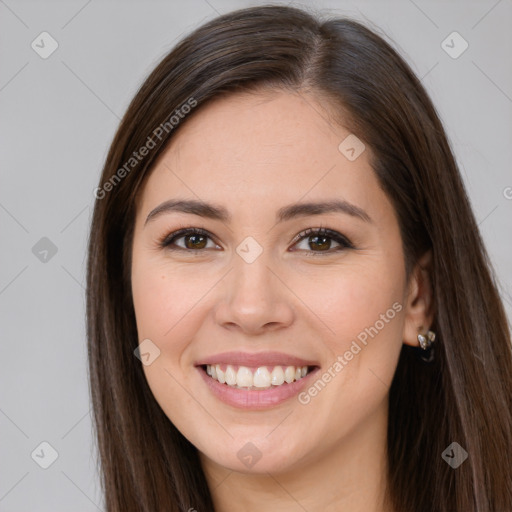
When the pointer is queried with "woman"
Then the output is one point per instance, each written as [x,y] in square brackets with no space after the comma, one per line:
[289,302]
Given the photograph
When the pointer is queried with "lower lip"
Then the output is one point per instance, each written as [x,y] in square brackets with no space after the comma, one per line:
[254,399]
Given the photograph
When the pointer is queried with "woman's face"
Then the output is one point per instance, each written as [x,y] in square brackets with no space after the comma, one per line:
[259,292]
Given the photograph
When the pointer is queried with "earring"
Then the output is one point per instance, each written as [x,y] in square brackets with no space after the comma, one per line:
[426,342]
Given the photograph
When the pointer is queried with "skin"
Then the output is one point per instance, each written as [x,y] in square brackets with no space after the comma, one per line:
[253,154]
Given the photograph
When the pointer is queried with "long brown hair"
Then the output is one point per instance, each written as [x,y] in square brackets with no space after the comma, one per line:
[464,396]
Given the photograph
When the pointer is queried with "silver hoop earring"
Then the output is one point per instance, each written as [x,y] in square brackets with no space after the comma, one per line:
[426,342]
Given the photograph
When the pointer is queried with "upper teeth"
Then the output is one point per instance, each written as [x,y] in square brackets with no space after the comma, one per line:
[261,378]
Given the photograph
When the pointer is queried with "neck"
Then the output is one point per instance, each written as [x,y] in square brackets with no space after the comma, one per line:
[350,475]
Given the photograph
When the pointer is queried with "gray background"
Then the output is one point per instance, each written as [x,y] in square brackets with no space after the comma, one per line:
[58,116]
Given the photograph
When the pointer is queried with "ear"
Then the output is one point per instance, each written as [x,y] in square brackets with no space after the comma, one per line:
[419,309]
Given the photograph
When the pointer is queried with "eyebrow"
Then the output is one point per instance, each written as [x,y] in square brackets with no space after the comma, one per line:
[285,213]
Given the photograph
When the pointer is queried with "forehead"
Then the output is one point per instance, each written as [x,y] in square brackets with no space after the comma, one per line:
[261,149]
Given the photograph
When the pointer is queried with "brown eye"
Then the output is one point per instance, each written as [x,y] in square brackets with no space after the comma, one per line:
[320,241]
[194,239]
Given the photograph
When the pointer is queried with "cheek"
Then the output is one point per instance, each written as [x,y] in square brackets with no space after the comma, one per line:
[364,312]
[361,310]
[368,302]
[166,308]
[162,298]
[351,298]
[150,302]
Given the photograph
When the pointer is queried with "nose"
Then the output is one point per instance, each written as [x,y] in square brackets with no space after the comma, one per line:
[254,298]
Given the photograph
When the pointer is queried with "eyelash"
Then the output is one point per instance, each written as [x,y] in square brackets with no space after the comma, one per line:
[166,241]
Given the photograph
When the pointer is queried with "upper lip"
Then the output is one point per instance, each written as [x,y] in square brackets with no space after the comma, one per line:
[256,359]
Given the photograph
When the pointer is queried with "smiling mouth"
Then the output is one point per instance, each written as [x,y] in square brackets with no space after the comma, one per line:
[256,378]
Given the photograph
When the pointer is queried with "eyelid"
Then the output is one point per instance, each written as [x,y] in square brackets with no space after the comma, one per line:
[165,241]
[322,231]
[339,238]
